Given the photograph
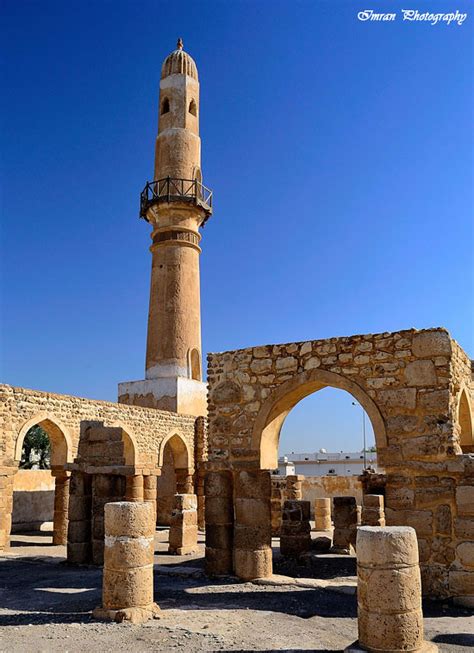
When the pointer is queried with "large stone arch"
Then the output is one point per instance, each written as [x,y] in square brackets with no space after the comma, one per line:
[60,438]
[269,420]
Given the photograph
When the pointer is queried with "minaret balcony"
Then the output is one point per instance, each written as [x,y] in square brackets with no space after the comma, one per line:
[172,189]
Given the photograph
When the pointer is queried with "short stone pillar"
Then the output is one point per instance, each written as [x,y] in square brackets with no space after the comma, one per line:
[252,526]
[61,503]
[127,591]
[183,527]
[294,487]
[373,513]
[79,546]
[218,488]
[389,591]
[278,492]
[345,519]
[149,491]
[295,537]
[134,488]
[322,515]
[6,505]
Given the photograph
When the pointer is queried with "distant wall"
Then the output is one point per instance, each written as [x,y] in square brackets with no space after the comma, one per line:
[318,487]
[33,499]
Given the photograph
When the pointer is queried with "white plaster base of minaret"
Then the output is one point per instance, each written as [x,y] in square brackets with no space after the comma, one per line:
[177,394]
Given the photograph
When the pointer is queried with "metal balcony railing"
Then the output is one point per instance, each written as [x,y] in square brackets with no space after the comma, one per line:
[171,189]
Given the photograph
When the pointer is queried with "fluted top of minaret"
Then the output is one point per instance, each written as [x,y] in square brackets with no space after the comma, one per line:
[179,62]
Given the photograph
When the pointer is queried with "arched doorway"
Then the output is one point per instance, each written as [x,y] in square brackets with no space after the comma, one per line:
[41,489]
[176,476]
[314,474]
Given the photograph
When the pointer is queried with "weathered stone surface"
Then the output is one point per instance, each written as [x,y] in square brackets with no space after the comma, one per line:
[420,373]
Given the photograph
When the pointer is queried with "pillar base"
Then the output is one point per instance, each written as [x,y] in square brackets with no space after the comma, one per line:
[176,394]
[134,615]
[428,647]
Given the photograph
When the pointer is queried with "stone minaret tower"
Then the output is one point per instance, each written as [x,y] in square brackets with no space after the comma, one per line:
[176,204]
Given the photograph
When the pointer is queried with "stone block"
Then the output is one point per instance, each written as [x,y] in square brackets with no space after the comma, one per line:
[249,565]
[219,562]
[252,537]
[465,555]
[421,373]
[428,344]
[465,500]
[124,519]
[252,512]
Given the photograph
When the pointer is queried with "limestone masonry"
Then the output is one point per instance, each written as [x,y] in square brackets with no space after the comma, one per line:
[191,455]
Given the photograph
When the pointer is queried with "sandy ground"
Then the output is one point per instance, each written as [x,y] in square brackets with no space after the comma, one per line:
[45,605]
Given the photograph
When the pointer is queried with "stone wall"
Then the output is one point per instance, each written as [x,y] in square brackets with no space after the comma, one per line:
[64,418]
[319,487]
[409,384]
[33,499]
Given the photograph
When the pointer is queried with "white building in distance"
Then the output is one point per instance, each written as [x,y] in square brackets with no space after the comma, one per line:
[322,463]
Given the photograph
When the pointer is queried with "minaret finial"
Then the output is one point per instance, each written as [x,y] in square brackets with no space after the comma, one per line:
[179,45]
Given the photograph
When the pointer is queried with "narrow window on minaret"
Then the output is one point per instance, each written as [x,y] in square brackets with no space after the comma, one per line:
[193,108]
[165,106]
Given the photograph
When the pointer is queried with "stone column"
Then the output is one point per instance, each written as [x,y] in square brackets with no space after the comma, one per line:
[184,481]
[183,527]
[295,537]
[219,522]
[201,503]
[6,505]
[373,510]
[106,488]
[278,490]
[345,519]
[79,545]
[294,487]
[127,590]
[322,515]
[61,503]
[149,491]
[134,488]
[252,528]
[389,591]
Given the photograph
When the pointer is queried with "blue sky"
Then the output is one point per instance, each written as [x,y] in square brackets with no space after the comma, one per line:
[339,152]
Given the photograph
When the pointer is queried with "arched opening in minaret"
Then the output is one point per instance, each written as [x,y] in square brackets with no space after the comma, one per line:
[193,108]
[194,364]
[165,106]
[465,422]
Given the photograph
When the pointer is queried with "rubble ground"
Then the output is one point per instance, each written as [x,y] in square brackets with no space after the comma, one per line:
[46,605]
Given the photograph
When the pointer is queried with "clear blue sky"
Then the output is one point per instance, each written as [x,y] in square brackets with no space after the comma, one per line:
[340,154]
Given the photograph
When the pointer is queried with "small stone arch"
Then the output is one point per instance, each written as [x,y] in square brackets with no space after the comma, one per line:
[179,447]
[465,420]
[272,414]
[60,438]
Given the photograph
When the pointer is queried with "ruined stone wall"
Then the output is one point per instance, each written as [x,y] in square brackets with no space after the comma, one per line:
[406,381]
[146,426]
[64,418]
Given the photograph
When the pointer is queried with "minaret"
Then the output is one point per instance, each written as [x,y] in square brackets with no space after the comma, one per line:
[176,204]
